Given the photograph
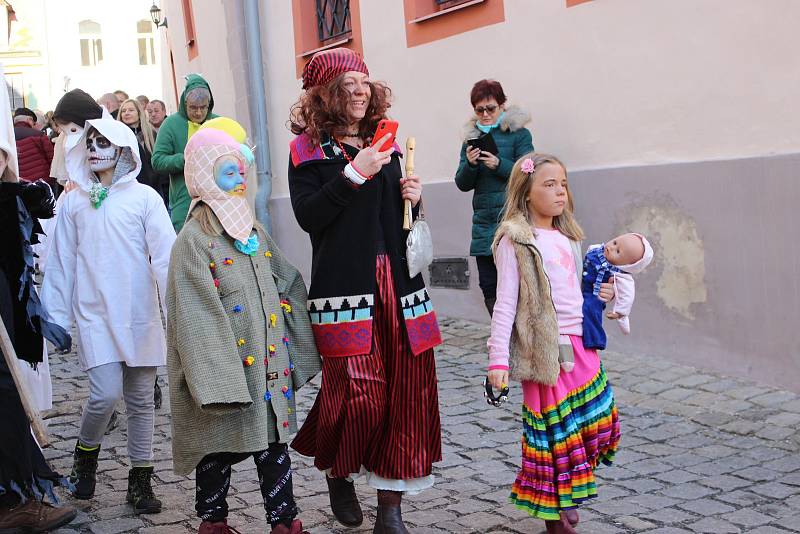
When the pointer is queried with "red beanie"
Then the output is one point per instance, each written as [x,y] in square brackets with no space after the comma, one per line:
[328,64]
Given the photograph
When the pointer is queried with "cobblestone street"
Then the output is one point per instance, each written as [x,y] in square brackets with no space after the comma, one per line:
[700,453]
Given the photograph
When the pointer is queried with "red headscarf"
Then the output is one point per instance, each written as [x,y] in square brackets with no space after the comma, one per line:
[328,64]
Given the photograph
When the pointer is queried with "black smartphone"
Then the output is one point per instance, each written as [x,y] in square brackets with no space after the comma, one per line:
[484,142]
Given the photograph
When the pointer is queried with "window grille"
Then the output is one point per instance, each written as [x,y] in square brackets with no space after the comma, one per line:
[444,4]
[333,19]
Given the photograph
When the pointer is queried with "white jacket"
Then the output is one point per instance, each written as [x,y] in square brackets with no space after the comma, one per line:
[107,264]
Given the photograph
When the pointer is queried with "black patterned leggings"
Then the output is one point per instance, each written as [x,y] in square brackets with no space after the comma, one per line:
[213,478]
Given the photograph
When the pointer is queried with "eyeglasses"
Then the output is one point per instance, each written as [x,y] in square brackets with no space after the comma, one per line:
[480,110]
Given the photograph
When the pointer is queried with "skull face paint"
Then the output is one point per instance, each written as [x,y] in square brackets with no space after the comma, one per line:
[101,153]
[229,175]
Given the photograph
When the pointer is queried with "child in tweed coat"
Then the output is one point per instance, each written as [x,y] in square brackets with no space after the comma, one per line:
[237,350]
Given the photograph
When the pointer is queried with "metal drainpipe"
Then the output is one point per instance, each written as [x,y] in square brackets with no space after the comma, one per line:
[258,111]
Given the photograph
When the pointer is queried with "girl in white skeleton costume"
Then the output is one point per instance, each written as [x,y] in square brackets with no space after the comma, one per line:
[107,265]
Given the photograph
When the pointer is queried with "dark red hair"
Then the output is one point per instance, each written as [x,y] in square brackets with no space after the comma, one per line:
[486,89]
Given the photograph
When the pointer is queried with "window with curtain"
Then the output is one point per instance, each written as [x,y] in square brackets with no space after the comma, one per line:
[146,42]
[91,43]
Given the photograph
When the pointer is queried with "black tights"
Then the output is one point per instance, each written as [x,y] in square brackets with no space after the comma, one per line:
[213,478]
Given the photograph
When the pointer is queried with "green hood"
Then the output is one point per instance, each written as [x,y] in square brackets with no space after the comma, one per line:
[194,81]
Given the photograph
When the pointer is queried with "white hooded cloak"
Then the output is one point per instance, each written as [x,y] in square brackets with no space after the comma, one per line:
[107,265]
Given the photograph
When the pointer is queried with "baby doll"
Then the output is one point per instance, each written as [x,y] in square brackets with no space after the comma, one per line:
[623,256]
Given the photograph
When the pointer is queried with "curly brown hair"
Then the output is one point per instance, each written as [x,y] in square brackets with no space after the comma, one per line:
[323,109]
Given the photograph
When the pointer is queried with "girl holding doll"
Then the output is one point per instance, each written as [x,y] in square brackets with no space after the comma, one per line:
[570,420]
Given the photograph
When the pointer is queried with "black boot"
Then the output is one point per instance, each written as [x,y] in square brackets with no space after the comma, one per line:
[344,502]
[390,518]
[157,396]
[84,471]
[489,303]
[140,491]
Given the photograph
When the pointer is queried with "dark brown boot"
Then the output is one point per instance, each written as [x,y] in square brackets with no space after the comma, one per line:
[344,502]
[35,516]
[390,518]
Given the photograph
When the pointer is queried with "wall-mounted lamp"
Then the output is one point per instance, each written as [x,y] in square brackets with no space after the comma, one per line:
[155,16]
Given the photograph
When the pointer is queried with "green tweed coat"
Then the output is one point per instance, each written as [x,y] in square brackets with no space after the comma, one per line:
[235,355]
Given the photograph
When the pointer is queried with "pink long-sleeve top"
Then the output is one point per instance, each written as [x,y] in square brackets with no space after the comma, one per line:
[559,264]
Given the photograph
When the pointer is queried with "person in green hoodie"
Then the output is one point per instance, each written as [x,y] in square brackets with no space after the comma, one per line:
[197,104]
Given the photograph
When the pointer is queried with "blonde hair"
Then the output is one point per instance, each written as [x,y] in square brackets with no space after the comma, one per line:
[519,186]
[207,219]
[144,123]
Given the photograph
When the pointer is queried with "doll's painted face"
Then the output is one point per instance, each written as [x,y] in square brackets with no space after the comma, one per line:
[101,153]
[229,175]
[624,250]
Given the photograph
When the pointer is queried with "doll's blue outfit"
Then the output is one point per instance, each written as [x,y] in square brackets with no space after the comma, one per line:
[596,270]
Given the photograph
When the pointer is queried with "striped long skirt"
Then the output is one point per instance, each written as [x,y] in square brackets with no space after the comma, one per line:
[568,429]
[377,411]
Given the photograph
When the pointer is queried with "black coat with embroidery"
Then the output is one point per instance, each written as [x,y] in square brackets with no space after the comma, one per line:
[346,223]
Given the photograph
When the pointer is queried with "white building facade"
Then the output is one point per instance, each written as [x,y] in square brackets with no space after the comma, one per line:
[99,46]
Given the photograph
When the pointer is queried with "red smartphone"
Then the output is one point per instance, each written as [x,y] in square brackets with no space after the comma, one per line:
[385,126]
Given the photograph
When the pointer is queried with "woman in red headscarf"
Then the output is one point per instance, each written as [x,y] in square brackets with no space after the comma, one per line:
[377,412]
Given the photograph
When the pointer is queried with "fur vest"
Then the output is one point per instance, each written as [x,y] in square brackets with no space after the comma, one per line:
[533,354]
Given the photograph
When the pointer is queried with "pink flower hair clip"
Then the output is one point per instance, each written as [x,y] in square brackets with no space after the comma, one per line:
[527,166]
